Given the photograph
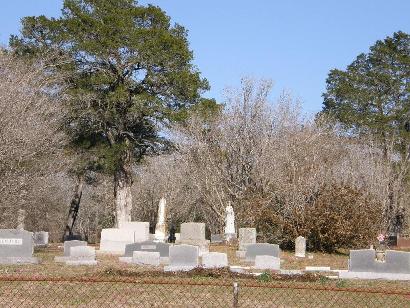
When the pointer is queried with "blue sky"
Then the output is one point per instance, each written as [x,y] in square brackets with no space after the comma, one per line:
[294,43]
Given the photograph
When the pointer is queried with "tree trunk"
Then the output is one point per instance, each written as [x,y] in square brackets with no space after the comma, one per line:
[74,207]
[122,190]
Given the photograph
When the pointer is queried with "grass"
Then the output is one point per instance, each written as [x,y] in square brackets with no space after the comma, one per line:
[125,285]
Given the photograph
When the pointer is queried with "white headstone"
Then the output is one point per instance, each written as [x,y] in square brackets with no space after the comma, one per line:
[214,260]
[21,217]
[246,236]
[300,247]
[161,228]
[146,258]
[230,232]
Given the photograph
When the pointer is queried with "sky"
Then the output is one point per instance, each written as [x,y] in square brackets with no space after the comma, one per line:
[294,43]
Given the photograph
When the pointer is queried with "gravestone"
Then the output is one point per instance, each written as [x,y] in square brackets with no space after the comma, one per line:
[81,255]
[217,238]
[230,232]
[161,227]
[193,233]
[264,262]
[214,260]
[261,249]
[140,228]
[300,247]
[16,247]
[182,258]
[67,250]
[362,260]
[172,238]
[149,246]
[246,236]
[21,217]
[146,258]
[114,240]
[40,239]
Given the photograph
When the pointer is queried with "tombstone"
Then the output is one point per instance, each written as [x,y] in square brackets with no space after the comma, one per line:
[172,237]
[230,232]
[146,258]
[396,262]
[148,246]
[362,260]
[81,255]
[140,228]
[193,233]
[246,236]
[264,262]
[214,260]
[182,258]
[161,227]
[67,249]
[40,239]
[261,249]
[114,240]
[217,238]
[300,247]
[16,247]
[21,217]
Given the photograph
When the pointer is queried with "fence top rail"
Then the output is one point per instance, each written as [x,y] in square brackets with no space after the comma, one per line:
[194,282]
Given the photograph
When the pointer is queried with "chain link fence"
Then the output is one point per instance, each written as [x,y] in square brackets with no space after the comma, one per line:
[17,291]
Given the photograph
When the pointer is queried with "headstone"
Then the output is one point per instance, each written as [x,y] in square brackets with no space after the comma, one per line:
[192,231]
[40,239]
[114,240]
[146,258]
[214,260]
[81,255]
[172,238]
[182,258]
[246,236]
[16,247]
[148,246]
[140,228]
[230,232]
[69,244]
[362,260]
[261,249]
[300,247]
[217,238]
[161,228]
[267,262]
[21,217]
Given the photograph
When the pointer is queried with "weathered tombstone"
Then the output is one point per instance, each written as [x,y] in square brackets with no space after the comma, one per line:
[146,258]
[21,217]
[261,249]
[214,260]
[81,255]
[193,233]
[300,247]
[246,236]
[267,262]
[114,240]
[182,258]
[161,227]
[396,262]
[16,247]
[217,238]
[148,246]
[40,239]
[230,232]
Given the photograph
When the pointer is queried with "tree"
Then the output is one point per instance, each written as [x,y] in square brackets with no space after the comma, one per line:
[129,72]
[372,97]
[373,94]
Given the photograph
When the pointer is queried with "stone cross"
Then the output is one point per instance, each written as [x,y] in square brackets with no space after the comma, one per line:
[161,228]
[230,232]
[300,247]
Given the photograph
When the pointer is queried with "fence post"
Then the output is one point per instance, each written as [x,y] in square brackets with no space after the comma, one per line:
[235,295]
